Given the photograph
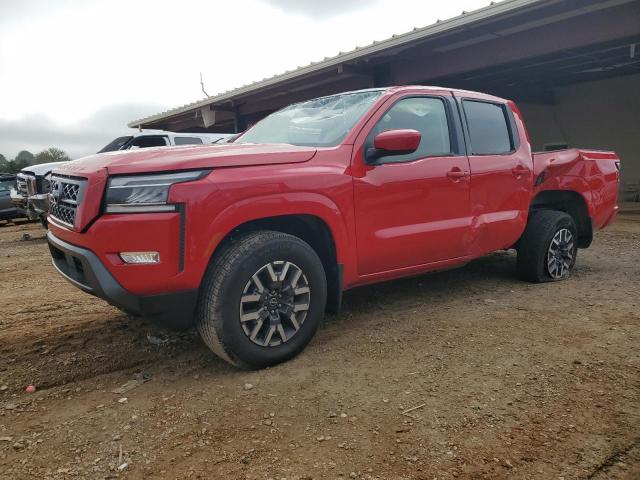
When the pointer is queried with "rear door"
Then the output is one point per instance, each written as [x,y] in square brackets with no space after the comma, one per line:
[412,209]
[187,140]
[6,207]
[501,172]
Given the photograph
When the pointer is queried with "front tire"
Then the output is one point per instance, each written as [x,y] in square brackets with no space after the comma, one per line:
[548,248]
[262,299]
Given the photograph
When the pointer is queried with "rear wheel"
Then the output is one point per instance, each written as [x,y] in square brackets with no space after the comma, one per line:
[262,299]
[548,248]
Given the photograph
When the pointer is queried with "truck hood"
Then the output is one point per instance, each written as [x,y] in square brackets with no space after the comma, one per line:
[188,157]
[42,168]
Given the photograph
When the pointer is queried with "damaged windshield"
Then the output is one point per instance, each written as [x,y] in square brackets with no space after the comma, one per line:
[322,122]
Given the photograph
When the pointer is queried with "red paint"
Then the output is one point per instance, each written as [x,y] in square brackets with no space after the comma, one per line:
[386,220]
[398,141]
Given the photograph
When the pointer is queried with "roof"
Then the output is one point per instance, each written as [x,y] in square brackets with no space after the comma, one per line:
[440,26]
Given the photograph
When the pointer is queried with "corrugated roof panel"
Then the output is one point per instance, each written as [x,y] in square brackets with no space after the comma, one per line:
[376,46]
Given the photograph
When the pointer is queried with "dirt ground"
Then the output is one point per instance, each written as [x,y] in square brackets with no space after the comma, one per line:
[462,374]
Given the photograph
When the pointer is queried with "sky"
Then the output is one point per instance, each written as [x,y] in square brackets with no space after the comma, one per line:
[73,73]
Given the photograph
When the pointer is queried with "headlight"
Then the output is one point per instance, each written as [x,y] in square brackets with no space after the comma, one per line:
[145,193]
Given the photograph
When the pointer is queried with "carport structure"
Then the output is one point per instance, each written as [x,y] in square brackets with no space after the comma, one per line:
[573,66]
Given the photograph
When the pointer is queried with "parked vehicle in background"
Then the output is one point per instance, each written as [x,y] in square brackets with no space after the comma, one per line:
[31,192]
[33,182]
[161,138]
[8,211]
[253,241]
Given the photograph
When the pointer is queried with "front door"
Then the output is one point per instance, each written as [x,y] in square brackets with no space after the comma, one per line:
[413,209]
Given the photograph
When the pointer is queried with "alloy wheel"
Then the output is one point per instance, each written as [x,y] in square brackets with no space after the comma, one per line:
[560,254]
[274,303]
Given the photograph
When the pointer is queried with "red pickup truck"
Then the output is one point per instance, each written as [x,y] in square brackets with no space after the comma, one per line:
[253,241]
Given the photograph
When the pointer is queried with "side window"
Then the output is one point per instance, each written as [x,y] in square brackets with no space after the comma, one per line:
[488,128]
[188,141]
[149,141]
[428,116]
[5,185]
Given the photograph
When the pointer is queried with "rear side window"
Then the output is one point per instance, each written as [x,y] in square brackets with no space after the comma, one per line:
[488,128]
[188,141]
[149,141]
[428,116]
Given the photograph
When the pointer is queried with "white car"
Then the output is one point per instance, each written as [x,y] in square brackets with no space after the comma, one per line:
[160,138]
[32,190]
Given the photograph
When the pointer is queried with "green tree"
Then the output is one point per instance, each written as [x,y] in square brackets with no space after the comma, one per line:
[51,155]
[23,159]
[4,164]
[24,156]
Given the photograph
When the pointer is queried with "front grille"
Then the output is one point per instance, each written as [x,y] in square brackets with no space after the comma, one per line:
[32,186]
[21,184]
[65,196]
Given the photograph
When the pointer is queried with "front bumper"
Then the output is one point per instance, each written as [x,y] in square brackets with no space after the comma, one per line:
[40,202]
[18,199]
[33,207]
[84,269]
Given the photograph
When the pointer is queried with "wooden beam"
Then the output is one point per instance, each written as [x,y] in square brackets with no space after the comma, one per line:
[354,70]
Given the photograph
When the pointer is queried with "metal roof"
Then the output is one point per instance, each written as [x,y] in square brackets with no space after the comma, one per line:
[440,26]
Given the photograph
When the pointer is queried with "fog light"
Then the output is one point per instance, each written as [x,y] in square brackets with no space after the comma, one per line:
[140,257]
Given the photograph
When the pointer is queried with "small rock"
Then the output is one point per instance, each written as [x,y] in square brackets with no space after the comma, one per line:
[123,466]
[30,389]
[320,438]
[153,340]
[248,386]
[123,400]
[3,388]
[343,415]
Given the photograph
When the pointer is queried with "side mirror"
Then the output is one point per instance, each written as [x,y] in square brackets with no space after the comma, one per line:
[394,142]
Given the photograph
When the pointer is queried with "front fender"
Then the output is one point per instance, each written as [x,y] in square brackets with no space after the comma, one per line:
[279,204]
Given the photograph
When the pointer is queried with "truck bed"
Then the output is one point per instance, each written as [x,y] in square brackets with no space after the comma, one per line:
[594,174]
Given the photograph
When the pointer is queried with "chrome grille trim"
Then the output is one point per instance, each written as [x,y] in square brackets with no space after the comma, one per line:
[64,199]
[22,181]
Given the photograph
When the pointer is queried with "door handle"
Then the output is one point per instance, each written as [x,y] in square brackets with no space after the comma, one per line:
[519,171]
[456,174]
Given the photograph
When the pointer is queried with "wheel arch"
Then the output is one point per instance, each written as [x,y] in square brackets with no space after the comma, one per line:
[571,203]
[312,229]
